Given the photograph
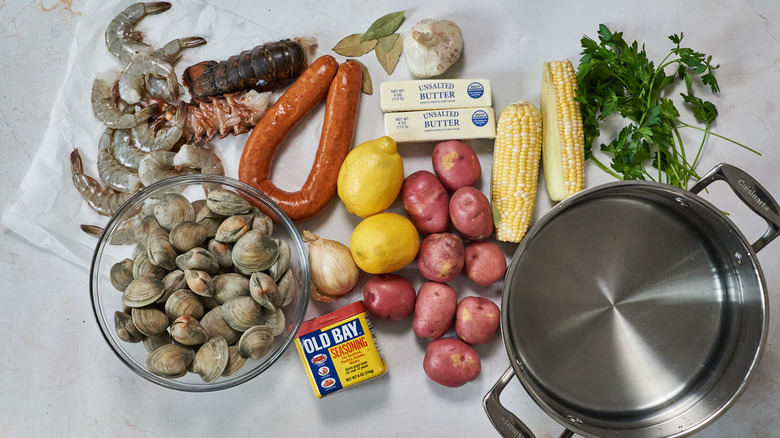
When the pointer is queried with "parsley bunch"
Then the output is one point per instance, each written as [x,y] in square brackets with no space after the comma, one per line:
[617,78]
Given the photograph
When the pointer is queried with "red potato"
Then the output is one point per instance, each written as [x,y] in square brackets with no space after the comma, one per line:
[451,362]
[456,164]
[426,202]
[484,263]
[477,320]
[434,310]
[389,297]
[471,213]
[441,257]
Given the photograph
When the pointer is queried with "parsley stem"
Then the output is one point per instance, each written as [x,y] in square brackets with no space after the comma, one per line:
[719,136]
[605,168]
[701,146]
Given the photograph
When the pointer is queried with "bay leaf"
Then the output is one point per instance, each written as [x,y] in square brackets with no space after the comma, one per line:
[384,26]
[366,87]
[388,51]
[354,45]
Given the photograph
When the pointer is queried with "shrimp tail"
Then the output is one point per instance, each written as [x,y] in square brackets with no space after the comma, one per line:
[104,200]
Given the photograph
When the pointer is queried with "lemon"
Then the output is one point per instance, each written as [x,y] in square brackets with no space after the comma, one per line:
[371,177]
[384,242]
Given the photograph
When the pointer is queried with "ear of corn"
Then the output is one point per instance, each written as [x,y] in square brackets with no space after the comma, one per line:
[563,143]
[515,174]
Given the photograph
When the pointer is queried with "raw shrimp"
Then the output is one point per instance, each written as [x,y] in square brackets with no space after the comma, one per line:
[122,40]
[124,150]
[104,200]
[146,138]
[112,172]
[122,236]
[202,159]
[198,157]
[171,52]
[92,230]
[157,166]
[133,82]
[105,106]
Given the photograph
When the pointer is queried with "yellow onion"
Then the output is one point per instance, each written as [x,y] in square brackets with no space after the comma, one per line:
[333,271]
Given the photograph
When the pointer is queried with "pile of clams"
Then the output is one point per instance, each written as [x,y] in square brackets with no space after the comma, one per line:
[205,286]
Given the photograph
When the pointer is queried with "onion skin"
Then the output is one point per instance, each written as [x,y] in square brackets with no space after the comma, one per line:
[333,271]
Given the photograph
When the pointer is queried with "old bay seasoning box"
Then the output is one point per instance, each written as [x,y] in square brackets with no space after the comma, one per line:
[339,349]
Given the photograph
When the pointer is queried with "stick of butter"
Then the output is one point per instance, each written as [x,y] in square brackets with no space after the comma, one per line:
[446,124]
[434,94]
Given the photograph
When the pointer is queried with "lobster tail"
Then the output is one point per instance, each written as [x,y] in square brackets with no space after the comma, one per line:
[264,68]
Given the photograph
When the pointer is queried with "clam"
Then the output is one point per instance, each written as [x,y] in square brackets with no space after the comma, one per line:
[226,202]
[139,248]
[172,281]
[170,360]
[187,235]
[159,249]
[230,285]
[198,259]
[142,291]
[255,342]
[211,224]
[184,302]
[207,218]
[152,343]
[125,329]
[285,288]
[121,274]
[203,211]
[275,320]
[235,361]
[172,209]
[188,331]
[211,359]
[215,325]
[262,222]
[254,251]
[283,262]
[240,313]
[143,267]
[233,228]
[142,230]
[262,288]
[209,303]
[199,282]
[222,252]
[150,320]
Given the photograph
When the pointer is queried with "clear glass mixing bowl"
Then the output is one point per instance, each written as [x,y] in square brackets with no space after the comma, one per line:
[107,300]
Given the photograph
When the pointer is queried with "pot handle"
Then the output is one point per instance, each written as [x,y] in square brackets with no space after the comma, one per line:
[751,193]
[504,421]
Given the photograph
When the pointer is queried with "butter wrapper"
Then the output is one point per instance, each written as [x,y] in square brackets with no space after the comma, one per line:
[437,125]
[430,94]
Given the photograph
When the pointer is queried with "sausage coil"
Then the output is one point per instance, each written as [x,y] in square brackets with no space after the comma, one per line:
[341,84]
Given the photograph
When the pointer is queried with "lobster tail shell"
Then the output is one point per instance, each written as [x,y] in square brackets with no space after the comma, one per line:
[264,68]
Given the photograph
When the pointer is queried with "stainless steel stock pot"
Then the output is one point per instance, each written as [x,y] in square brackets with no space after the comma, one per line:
[635,309]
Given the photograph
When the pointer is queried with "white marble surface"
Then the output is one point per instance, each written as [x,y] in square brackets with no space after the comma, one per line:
[57,375]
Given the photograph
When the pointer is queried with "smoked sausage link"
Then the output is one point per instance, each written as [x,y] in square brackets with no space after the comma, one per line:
[343,94]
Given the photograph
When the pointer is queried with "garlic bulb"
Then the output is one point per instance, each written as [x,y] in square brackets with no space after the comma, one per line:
[333,271]
[432,46]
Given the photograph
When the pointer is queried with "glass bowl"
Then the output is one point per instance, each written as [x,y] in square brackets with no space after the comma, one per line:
[107,300]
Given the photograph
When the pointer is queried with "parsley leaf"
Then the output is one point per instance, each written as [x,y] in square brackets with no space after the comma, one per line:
[615,77]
